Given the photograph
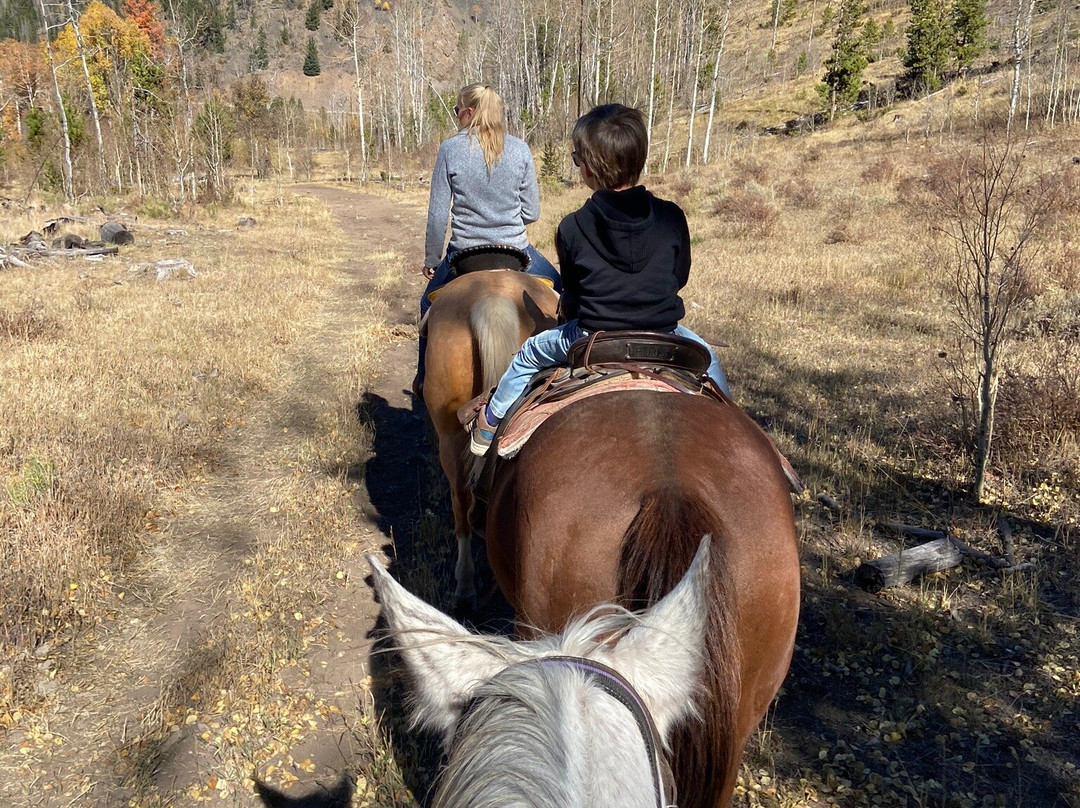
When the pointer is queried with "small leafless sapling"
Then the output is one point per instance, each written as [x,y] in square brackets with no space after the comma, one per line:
[993,207]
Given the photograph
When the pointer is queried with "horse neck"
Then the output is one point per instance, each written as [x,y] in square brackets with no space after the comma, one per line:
[537,737]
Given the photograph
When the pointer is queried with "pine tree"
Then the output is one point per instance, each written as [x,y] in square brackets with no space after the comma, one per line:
[259,60]
[844,66]
[929,46]
[970,21]
[311,60]
[311,21]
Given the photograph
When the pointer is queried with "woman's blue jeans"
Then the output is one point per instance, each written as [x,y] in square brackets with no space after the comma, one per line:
[551,348]
[538,265]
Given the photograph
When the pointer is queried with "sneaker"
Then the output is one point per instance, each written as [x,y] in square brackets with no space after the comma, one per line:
[482,434]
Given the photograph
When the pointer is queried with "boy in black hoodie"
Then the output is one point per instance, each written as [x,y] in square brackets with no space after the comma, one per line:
[623,257]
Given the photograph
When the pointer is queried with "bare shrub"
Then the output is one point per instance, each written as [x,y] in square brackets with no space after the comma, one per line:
[841,234]
[1039,409]
[681,187]
[801,193]
[747,214]
[28,323]
[747,170]
[915,192]
[882,170]
[844,217]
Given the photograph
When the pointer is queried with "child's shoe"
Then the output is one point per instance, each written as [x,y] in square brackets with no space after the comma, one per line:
[482,433]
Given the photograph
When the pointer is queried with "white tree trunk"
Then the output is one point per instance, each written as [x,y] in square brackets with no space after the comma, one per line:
[652,77]
[69,171]
[697,78]
[72,19]
[1021,38]
[715,82]
[359,106]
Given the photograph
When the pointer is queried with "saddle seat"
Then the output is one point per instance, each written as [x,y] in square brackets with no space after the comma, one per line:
[488,256]
[639,348]
[602,362]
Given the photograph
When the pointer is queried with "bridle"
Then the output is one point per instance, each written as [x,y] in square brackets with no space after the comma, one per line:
[615,685]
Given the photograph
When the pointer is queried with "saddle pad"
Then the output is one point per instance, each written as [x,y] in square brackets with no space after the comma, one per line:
[517,433]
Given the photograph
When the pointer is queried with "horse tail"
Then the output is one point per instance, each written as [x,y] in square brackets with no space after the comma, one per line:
[496,327]
[657,549]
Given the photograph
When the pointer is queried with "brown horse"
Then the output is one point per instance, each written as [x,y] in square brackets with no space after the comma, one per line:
[475,325]
[608,501]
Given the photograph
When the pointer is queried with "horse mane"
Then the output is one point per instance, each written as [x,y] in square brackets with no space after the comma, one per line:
[496,326]
[657,549]
[512,737]
[510,746]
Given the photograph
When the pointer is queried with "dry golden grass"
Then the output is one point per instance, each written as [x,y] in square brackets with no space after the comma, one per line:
[134,411]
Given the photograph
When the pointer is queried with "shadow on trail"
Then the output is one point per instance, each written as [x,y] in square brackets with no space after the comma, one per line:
[397,474]
[410,504]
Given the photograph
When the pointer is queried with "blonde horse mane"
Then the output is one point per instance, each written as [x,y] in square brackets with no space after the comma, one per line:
[496,327]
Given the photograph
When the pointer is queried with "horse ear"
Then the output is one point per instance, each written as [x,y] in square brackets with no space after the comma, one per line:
[443,657]
[662,655]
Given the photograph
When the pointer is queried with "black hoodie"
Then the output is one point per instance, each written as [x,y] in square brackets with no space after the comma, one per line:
[623,257]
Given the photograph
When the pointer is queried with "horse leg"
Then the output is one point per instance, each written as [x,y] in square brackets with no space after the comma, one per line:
[465,573]
[451,452]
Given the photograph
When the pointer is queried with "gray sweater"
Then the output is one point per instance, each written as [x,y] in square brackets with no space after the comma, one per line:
[486,209]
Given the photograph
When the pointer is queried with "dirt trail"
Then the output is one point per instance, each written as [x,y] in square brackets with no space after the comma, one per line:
[158,640]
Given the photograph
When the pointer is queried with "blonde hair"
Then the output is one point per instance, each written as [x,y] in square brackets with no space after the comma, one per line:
[488,124]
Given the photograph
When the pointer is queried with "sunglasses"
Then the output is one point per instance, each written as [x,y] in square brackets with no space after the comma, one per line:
[576,158]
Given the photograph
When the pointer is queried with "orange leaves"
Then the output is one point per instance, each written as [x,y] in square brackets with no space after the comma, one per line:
[143,14]
[23,77]
[110,43]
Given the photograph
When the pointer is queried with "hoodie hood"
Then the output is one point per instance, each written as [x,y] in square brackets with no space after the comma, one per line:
[618,227]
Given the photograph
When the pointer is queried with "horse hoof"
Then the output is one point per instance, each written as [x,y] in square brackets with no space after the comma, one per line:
[464,608]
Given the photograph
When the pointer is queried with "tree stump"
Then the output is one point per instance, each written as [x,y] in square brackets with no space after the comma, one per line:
[116,233]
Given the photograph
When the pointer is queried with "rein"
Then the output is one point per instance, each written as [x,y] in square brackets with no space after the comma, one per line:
[615,685]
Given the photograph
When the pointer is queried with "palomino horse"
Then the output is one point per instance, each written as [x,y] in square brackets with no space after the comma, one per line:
[607,502]
[474,326]
[573,720]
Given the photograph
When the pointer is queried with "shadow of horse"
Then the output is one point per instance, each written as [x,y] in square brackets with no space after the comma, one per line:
[337,795]
[409,503]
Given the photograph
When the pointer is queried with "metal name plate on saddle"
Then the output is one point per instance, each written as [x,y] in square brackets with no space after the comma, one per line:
[488,256]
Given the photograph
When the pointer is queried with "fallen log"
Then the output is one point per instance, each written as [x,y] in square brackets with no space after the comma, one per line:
[1007,541]
[11,260]
[907,565]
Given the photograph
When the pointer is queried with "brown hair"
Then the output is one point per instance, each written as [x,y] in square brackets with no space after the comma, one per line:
[488,124]
[612,141]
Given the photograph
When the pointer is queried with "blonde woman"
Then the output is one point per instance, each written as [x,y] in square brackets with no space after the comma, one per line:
[484,183]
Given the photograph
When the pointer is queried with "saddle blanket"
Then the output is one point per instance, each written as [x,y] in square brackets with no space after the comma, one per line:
[524,422]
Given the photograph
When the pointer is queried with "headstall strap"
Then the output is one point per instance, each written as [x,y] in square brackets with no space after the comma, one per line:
[615,685]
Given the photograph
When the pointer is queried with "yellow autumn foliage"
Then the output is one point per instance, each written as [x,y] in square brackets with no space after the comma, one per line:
[110,43]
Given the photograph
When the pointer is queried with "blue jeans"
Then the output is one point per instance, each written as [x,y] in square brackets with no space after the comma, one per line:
[551,348]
